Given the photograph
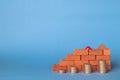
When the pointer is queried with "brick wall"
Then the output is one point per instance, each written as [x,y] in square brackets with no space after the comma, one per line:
[81,56]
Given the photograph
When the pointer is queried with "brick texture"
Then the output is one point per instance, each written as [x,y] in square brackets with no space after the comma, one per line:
[93,62]
[94,67]
[72,57]
[106,52]
[95,52]
[66,62]
[79,67]
[80,52]
[77,63]
[55,67]
[108,67]
[103,57]
[88,57]
[83,56]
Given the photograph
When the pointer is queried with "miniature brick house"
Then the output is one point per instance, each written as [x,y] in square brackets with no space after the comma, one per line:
[83,56]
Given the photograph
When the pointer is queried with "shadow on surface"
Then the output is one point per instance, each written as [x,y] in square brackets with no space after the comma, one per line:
[115,65]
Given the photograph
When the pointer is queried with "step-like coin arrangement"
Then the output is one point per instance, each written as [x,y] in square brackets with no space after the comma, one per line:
[88,68]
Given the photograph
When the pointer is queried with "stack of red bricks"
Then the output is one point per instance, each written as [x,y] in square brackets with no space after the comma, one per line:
[83,56]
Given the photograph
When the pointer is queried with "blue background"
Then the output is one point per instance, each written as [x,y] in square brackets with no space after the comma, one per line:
[34,34]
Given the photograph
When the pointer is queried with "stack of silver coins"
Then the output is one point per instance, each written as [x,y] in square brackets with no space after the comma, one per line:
[61,71]
[102,66]
[87,68]
[73,70]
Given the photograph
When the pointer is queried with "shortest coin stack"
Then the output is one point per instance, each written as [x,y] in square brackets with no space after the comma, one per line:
[61,71]
[102,66]
[87,68]
[73,70]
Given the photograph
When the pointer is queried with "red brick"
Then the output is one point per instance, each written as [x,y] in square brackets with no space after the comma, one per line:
[62,67]
[72,57]
[106,52]
[89,57]
[82,62]
[108,67]
[102,46]
[66,62]
[94,68]
[102,57]
[55,67]
[69,68]
[79,67]
[80,52]
[95,52]
[108,62]
[93,62]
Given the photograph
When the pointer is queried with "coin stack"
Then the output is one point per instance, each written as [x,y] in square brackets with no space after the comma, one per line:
[61,71]
[73,70]
[102,66]
[87,68]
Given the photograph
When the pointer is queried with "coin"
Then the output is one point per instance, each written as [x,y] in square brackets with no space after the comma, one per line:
[102,66]
[61,71]
[87,68]
[73,70]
